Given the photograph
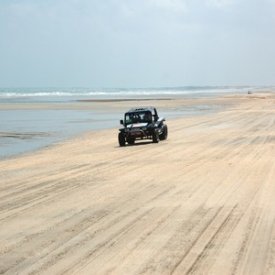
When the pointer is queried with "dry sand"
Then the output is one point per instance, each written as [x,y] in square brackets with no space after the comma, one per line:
[201,202]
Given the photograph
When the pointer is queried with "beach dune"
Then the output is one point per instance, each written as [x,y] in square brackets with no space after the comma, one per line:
[200,202]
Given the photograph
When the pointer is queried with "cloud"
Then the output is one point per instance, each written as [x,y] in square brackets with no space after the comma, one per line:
[219,3]
[170,5]
[135,42]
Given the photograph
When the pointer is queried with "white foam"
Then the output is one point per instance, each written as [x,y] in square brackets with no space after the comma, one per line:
[19,93]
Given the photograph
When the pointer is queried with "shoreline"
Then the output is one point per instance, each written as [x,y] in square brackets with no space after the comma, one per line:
[92,115]
[41,124]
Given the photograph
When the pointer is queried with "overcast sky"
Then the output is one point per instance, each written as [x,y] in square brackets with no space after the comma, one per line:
[136,43]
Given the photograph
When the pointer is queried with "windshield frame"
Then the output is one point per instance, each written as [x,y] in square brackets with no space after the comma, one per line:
[138,117]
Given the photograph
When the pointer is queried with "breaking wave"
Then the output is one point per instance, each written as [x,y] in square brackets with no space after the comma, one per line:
[83,92]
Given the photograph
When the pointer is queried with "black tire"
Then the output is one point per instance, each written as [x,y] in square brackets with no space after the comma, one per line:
[155,136]
[121,139]
[164,134]
[131,140]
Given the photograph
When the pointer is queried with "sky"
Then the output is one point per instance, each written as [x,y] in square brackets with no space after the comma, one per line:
[136,43]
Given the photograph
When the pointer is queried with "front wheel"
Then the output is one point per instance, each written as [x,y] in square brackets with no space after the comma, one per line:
[131,140]
[121,139]
[164,133]
[155,136]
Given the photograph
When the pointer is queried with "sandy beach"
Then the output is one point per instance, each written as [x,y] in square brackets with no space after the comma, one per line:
[200,202]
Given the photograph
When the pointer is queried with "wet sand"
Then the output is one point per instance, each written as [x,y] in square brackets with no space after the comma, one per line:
[200,202]
[28,126]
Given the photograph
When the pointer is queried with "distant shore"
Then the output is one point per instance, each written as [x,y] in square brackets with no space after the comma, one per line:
[124,99]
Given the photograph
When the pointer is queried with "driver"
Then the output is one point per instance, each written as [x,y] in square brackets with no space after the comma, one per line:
[148,117]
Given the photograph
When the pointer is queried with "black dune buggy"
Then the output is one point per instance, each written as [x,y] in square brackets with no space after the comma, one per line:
[142,123]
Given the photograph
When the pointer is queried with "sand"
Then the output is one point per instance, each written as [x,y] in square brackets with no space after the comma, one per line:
[200,202]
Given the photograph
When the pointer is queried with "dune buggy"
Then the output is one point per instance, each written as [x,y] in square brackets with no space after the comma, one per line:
[142,123]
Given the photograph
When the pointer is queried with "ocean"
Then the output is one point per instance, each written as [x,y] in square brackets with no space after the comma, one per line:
[24,129]
[72,94]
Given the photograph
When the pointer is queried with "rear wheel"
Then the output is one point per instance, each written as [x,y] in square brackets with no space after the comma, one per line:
[121,139]
[155,136]
[164,134]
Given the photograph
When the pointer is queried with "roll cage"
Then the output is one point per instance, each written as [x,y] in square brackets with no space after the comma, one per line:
[141,115]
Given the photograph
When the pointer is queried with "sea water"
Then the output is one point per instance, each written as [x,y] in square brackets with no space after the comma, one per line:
[23,130]
[72,94]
